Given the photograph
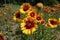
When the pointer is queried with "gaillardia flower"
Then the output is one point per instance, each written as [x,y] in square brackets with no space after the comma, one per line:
[45,9]
[47,25]
[53,22]
[52,10]
[17,16]
[39,18]
[31,14]
[28,26]
[1,36]
[25,7]
[42,22]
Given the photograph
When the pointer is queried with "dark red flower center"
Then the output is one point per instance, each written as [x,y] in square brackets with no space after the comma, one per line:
[17,15]
[29,24]
[53,22]
[42,22]
[52,10]
[48,25]
[32,14]
[26,7]
[1,38]
[38,18]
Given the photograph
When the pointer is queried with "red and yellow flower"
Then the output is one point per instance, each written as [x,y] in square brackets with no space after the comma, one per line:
[17,16]
[47,25]
[31,14]
[42,22]
[25,7]
[53,22]
[39,18]
[45,9]
[28,26]
[1,36]
[52,10]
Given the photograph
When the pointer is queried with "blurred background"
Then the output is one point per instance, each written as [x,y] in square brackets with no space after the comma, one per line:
[11,28]
[32,2]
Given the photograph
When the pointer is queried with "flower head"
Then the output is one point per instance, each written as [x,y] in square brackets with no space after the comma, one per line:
[53,22]
[17,16]
[45,9]
[25,7]
[31,14]
[28,26]
[39,5]
[47,25]
[42,22]
[52,10]
[39,18]
[1,36]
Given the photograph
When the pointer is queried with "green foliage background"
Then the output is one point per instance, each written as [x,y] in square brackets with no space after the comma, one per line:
[33,2]
[12,30]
